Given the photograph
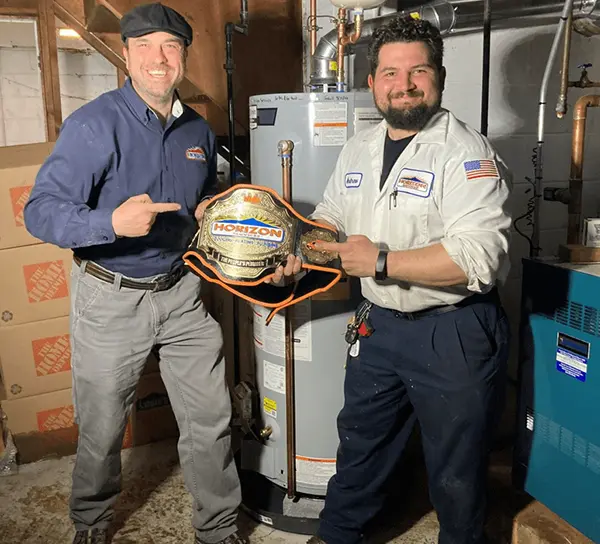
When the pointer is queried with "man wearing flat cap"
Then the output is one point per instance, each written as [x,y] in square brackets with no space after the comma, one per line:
[123,189]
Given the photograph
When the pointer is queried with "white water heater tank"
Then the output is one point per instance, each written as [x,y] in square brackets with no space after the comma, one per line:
[357,4]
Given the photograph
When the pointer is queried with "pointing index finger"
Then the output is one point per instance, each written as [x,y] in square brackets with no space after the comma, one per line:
[160,207]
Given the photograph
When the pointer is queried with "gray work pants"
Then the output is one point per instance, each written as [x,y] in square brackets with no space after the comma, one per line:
[113,330]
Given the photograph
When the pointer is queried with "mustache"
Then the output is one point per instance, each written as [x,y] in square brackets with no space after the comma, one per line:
[410,94]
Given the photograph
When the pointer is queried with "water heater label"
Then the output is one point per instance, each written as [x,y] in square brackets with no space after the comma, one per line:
[274,377]
[330,126]
[572,356]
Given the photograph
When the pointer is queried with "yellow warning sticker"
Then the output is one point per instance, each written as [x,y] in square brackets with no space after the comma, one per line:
[270,407]
[333,66]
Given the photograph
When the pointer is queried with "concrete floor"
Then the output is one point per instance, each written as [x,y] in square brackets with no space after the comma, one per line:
[154,506]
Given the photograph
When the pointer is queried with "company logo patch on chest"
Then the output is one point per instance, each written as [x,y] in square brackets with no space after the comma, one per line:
[196,154]
[353,180]
[414,182]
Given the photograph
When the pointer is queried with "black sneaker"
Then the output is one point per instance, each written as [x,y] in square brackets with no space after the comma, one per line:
[91,536]
[235,538]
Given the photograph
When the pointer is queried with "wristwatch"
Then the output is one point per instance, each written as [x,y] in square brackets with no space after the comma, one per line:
[381,266]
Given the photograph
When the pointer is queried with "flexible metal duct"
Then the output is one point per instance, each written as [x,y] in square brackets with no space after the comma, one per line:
[458,17]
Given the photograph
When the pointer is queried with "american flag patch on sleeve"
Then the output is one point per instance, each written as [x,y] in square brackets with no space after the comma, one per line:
[483,168]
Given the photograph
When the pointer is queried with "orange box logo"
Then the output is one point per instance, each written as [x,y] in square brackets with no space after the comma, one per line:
[51,355]
[46,281]
[19,197]
[57,418]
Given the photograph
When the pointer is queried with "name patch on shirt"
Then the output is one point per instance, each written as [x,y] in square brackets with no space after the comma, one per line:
[353,180]
[414,182]
[482,168]
[196,154]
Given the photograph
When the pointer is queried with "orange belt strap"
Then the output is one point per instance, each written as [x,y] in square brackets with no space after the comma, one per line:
[246,233]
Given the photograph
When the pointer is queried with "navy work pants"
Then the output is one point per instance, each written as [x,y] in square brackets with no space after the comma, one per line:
[446,371]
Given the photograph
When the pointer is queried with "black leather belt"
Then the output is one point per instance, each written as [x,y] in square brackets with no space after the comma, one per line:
[491,296]
[161,284]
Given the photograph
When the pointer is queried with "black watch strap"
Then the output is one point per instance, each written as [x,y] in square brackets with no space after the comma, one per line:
[381,266]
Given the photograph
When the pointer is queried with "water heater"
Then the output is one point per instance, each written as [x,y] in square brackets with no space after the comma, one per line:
[318,124]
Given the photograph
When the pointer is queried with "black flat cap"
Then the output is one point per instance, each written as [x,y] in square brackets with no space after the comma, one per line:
[155,17]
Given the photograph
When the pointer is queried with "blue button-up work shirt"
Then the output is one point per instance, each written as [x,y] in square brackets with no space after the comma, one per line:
[109,150]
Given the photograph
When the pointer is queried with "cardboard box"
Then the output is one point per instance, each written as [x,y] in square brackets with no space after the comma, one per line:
[35,283]
[44,425]
[35,358]
[19,166]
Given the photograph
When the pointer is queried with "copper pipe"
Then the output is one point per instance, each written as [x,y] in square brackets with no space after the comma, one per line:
[312,25]
[286,148]
[346,39]
[340,47]
[561,106]
[358,26]
[576,177]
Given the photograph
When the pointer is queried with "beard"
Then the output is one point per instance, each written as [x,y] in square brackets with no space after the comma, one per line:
[408,118]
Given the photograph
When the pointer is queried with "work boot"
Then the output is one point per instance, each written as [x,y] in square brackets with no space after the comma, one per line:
[91,536]
[315,540]
[235,538]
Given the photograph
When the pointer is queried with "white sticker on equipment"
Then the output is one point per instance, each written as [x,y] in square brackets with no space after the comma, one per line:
[271,338]
[330,127]
[274,377]
[366,118]
[314,471]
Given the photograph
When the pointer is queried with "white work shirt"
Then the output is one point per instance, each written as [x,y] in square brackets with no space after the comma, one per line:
[452,188]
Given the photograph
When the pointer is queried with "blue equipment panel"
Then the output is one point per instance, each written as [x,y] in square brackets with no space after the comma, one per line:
[557,453]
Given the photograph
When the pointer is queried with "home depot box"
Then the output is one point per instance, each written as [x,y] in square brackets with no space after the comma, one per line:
[35,358]
[19,166]
[45,424]
[35,283]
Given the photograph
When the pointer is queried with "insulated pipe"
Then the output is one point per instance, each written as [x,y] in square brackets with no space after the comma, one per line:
[576,177]
[561,106]
[539,153]
[286,148]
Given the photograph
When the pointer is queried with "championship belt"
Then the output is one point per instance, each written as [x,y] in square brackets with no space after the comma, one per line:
[246,233]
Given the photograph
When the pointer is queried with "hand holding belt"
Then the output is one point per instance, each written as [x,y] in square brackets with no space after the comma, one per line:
[246,233]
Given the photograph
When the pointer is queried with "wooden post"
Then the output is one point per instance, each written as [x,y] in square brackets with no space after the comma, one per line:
[121,77]
[49,67]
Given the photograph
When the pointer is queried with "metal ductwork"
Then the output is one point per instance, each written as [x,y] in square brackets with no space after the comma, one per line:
[456,17]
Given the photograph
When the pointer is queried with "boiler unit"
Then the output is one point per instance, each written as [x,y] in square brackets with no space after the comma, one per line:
[557,454]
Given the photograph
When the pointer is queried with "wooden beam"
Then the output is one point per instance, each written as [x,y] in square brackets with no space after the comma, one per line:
[96,42]
[18,8]
[49,68]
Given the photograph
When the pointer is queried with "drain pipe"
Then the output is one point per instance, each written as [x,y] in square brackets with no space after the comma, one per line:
[286,148]
[539,152]
[230,30]
[485,78]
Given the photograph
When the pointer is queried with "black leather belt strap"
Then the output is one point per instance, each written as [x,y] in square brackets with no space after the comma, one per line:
[104,275]
[491,296]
